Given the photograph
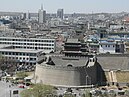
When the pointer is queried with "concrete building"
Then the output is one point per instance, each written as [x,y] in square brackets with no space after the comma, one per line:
[41,15]
[111,46]
[107,47]
[21,56]
[25,51]
[46,45]
[60,13]
[28,16]
[44,16]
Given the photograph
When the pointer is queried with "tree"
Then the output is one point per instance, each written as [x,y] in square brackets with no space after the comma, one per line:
[39,90]
[127,93]
[7,64]
[127,84]
[26,93]
[87,93]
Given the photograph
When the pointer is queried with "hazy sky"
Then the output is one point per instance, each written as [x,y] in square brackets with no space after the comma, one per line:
[70,6]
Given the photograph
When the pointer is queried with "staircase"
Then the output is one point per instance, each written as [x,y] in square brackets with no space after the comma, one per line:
[112,76]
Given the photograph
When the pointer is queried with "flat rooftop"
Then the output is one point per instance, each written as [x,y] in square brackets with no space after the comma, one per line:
[4,46]
[21,50]
[72,41]
[28,38]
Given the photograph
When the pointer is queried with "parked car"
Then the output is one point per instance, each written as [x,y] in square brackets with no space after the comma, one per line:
[21,86]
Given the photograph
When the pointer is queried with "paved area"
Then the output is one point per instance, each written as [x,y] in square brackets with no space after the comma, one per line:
[6,90]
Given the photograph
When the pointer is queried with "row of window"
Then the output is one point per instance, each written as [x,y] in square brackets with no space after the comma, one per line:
[108,46]
[17,53]
[21,58]
[42,48]
[26,44]
[25,40]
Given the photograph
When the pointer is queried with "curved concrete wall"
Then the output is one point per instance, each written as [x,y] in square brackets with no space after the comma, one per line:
[57,75]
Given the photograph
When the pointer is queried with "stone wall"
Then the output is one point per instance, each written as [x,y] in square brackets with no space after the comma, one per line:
[57,76]
[68,76]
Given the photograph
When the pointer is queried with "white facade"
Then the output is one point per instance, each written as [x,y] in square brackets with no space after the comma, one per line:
[21,56]
[46,45]
[42,15]
[107,48]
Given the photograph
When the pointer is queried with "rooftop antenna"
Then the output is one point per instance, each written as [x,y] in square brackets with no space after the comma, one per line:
[92,17]
[41,6]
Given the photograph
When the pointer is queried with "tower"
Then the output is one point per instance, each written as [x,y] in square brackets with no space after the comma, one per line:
[27,15]
[60,13]
[41,15]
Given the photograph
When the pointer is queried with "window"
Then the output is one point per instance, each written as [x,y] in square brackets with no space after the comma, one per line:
[9,53]
[32,59]
[108,45]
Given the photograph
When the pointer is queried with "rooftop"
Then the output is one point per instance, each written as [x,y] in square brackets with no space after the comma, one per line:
[21,50]
[74,61]
[73,41]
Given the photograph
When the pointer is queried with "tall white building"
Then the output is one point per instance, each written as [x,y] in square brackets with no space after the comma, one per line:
[41,15]
[27,15]
[60,13]
[45,44]
[25,50]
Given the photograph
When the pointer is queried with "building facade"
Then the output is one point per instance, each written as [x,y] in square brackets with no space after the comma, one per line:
[60,13]
[41,15]
[20,56]
[46,45]
[109,46]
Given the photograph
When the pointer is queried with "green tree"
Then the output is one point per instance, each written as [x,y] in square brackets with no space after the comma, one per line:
[26,93]
[87,94]
[127,93]
[7,64]
[39,90]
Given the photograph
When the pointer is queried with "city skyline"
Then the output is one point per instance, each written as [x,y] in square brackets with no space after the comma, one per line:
[71,6]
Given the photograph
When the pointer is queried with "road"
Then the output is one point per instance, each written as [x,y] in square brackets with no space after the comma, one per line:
[5,89]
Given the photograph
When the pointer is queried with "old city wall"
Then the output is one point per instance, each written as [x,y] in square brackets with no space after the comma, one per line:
[57,75]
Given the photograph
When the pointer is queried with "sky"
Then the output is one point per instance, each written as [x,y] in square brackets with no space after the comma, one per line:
[69,6]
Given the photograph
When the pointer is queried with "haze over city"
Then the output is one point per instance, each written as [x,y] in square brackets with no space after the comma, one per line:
[70,6]
[64,48]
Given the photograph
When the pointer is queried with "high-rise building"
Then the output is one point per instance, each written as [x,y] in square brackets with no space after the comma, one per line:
[27,15]
[60,13]
[42,15]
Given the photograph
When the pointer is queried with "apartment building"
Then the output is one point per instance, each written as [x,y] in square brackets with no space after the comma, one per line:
[25,50]
[22,57]
[46,45]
